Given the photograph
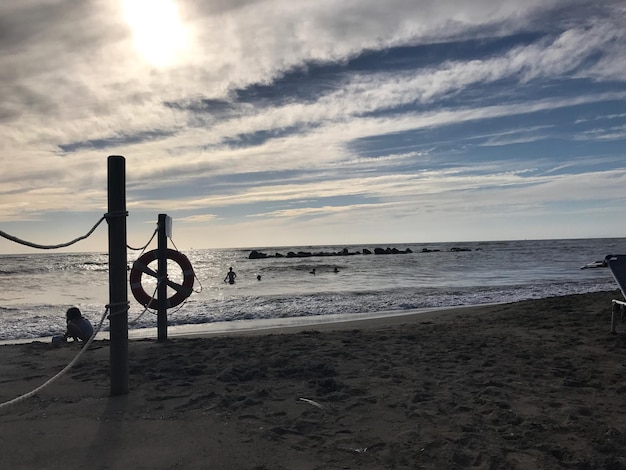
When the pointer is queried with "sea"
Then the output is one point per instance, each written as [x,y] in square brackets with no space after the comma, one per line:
[36,289]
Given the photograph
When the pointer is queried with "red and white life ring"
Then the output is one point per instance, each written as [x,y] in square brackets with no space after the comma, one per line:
[140,266]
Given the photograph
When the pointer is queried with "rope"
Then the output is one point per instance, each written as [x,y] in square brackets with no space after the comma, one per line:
[172,240]
[119,304]
[156,230]
[142,249]
[51,247]
[194,275]
[146,308]
[62,372]
[198,291]
[179,307]
[112,214]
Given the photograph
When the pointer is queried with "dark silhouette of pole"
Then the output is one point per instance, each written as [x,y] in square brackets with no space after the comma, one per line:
[118,293]
[162,278]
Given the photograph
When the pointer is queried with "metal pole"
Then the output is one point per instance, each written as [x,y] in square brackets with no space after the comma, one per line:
[118,293]
[162,278]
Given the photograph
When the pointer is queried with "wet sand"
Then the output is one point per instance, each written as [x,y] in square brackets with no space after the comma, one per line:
[534,384]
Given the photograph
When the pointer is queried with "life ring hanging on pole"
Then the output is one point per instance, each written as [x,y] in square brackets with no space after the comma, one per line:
[140,266]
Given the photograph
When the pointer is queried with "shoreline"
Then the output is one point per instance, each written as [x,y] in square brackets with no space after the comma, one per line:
[532,384]
[275,325]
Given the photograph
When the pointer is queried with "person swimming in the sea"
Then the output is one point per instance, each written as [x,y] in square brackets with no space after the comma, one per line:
[230,276]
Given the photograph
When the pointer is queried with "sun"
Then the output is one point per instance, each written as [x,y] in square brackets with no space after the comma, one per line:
[159,35]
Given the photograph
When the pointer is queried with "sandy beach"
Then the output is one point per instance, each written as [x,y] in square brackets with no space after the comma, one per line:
[532,385]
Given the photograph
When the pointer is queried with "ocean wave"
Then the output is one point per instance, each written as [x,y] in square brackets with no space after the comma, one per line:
[38,290]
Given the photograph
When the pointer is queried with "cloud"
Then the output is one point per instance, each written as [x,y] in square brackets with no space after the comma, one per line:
[202,218]
[275,108]
[608,133]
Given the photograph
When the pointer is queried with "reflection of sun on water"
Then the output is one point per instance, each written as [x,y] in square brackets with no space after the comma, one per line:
[158,32]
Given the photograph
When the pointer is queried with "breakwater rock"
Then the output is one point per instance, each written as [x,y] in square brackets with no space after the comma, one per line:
[254,254]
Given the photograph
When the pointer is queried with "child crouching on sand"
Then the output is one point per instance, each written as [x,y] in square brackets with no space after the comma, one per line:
[78,327]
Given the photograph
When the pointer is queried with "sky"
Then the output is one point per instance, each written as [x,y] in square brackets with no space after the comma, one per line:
[260,123]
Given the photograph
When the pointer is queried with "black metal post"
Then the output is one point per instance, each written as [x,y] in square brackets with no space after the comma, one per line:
[118,283]
[162,279]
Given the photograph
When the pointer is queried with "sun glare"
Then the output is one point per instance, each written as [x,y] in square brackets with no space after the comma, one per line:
[158,33]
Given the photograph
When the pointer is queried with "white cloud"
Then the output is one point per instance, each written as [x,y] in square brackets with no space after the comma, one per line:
[202,218]
[71,76]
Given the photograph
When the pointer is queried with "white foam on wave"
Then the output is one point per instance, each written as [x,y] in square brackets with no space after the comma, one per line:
[34,301]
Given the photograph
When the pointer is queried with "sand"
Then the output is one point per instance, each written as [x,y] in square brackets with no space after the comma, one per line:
[529,385]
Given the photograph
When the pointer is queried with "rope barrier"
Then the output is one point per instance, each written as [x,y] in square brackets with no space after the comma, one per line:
[51,247]
[110,215]
[63,371]
[194,273]
[146,245]
[172,240]
[146,306]
[119,312]
[108,309]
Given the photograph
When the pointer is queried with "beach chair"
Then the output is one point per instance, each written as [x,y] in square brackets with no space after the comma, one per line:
[617,265]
